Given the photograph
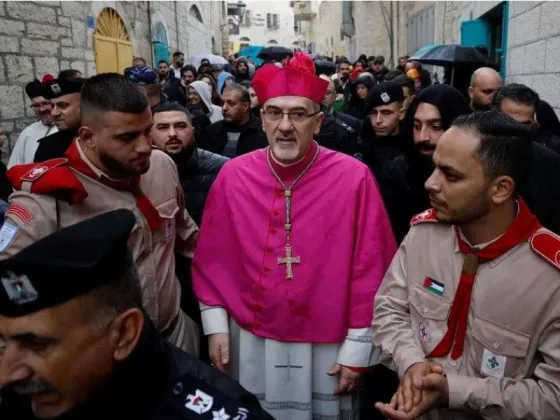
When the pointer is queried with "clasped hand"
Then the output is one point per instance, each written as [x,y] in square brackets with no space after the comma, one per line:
[423,388]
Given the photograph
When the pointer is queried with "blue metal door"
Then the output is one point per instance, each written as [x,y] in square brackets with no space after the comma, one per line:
[475,32]
[161,48]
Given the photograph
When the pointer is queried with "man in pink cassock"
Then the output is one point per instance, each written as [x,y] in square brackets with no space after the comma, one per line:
[293,246]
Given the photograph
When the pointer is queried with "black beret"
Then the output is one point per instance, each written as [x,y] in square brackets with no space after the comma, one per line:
[384,94]
[66,264]
[60,87]
[34,89]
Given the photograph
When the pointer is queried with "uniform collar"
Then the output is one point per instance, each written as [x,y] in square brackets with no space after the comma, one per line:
[89,163]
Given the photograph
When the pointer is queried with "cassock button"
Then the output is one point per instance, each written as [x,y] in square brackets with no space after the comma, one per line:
[270,250]
[273,230]
[262,288]
[276,213]
[256,324]
[259,307]
[279,193]
[266,269]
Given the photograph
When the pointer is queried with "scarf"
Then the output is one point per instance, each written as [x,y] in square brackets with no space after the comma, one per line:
[131,185]
[523,227]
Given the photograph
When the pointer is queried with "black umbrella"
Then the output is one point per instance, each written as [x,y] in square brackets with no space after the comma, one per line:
[445,55]
[275,52]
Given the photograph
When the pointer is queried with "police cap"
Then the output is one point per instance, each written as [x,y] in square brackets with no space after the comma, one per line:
[66,264]
[384,94]
[60,87]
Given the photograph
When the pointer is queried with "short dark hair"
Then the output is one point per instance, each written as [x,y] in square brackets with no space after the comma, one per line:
[68,74]
[245,96]
[392,74]
[108,301]
[177,54]
[111,92]
[342,60]
[405,81]
[505,145]
[404,57]
[190,68]
[170,106]
[162,61]
[518,93]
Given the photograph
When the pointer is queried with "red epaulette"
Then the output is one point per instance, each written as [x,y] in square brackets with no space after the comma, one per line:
[52,177]
[547,246]
[426,216]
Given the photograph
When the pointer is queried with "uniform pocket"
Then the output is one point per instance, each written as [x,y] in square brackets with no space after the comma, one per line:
[498,351]
[167,210]
[429,314]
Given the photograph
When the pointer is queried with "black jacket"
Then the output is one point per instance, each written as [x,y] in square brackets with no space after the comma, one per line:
[55,145]
[340,132]
[404,194]
[198,171]
[252,137]
[157,382]
[5,186]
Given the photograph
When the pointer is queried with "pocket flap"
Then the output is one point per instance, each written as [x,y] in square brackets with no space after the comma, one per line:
[168,209]
[499,339]
[428,305]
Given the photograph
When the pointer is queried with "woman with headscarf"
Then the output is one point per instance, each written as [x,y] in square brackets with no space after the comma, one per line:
[199,96]
[242,70]
[358,94]
[224,79]
[210,81]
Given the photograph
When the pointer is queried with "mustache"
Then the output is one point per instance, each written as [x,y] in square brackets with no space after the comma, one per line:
[173,140]
[426,146]
[33,386]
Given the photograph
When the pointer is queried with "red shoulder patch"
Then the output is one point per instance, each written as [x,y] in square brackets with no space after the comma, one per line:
[426,216]
[547,245]
[40,169]
[17,210]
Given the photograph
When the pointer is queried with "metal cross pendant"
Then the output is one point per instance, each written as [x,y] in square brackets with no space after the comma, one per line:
[288,260]
[288,366]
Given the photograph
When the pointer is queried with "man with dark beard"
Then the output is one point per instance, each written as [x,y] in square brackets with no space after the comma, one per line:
[173,132]
[485,81]
[64,95]
[402,187]
[111,165]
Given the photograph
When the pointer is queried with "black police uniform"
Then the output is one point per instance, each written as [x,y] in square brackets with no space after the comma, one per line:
[340,132]
[55,145]
[157,381]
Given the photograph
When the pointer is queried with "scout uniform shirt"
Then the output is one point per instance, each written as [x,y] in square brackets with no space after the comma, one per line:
[510,365]
[33,216]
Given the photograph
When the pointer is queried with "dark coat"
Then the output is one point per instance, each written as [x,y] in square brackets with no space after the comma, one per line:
[156,382]
[340,132]
[252,137]
[55,145]
[5,186]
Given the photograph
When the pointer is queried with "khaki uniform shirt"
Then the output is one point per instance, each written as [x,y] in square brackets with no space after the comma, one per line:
[510,366]
[153,251]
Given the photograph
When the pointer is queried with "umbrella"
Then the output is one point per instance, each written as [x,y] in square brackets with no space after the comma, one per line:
[275,52]
[214,59]
[252,51]
[445,55]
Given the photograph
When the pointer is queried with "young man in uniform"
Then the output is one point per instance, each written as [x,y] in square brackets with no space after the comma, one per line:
[294,241]
[110,166]
[75,342]
[468,312]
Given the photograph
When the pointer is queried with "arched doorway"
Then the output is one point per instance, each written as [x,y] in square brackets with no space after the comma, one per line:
[113,49]
[161,48]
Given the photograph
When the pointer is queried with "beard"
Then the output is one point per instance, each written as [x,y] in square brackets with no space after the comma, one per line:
[475,211]
[33,386]
[122,170]
[286,153]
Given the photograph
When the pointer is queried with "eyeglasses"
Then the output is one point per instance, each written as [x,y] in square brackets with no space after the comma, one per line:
[296,116]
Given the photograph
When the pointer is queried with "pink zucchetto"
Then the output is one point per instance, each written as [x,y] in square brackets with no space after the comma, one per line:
[296,78]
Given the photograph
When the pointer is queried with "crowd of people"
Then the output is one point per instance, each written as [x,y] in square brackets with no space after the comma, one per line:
[299,240]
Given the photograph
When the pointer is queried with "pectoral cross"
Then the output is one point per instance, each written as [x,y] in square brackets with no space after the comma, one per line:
[288,260]
[289,366]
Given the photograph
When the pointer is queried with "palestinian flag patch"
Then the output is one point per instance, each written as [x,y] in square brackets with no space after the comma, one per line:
[433,286]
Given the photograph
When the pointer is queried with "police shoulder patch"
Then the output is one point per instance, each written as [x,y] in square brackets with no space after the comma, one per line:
[344,125]
[42,168]
[426,216]
[546,245]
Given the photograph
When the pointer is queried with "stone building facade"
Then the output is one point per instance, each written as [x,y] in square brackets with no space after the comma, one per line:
[533,34]
[47,36]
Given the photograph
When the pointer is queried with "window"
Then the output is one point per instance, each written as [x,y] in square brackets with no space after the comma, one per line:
[420,30]
[272,20]
[246,19]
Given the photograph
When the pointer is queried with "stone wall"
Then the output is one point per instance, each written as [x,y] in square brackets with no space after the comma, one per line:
[47,36]
[533,48]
